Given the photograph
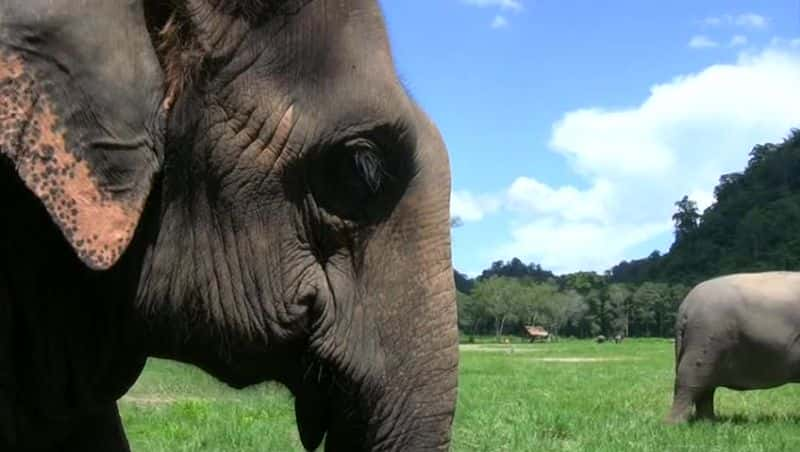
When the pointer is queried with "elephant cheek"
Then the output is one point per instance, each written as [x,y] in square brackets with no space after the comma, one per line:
[98,226]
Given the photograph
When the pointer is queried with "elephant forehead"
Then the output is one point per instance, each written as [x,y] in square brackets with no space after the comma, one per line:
[32,137]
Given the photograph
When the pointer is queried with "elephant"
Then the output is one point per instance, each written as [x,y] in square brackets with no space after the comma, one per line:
[739,332]
[241,185]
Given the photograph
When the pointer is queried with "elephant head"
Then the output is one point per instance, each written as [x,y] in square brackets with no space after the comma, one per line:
[258,169]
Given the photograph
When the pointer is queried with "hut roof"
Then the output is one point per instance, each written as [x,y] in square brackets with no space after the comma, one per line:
[536,331]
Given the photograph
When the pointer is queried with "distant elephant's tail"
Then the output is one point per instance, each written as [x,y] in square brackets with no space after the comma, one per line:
[680,331]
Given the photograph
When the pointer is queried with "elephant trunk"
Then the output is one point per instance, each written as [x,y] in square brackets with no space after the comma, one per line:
[387,377]
[418,403]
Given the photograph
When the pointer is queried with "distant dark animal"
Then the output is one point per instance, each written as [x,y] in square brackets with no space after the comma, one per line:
[618,338]
[738,332]
[243,185]
[600,339]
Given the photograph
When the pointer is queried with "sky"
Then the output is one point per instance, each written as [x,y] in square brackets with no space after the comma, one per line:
[574,126]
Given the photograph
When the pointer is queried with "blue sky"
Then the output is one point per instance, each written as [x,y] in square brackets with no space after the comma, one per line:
[573,126]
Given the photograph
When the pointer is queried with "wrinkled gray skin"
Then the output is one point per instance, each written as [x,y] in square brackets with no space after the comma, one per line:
[739,332]
[245,187]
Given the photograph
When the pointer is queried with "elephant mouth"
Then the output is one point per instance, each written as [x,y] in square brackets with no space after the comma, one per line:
[312,412]
[338,414]
[321,415]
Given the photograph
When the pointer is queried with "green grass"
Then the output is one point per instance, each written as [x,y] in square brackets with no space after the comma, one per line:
[569,395]
[175,407]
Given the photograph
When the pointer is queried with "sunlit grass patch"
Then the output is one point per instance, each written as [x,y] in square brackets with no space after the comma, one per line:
[561,396]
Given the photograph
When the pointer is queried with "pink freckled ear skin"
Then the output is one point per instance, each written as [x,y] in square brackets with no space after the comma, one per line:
[97,224]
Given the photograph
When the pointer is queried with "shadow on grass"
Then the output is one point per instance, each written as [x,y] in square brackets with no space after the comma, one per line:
[741,419]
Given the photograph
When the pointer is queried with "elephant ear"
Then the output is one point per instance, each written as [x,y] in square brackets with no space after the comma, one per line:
[80,121]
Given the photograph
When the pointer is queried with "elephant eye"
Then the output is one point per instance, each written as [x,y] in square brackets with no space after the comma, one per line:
[350,179]
[354,174]
[361,179]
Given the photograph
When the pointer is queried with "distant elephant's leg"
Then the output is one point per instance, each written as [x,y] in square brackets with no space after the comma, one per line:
[693,384]
[705,404]
[102,432]
[682,404]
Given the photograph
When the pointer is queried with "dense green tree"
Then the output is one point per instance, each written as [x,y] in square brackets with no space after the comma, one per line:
[752,225]
[564,311]
[501,297]
[463,282]
[620,303]
[686,219]
[471,313]
[516,269]
[592,288]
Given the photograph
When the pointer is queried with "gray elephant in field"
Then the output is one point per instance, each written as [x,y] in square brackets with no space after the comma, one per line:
[739,332]
[242,185]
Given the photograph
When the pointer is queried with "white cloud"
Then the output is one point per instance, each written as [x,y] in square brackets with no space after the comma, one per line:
[528,195]
[746,20]
[510,5]
[703,198]
[470,208]
[750,20]
[702,42]
[724,105]
[499,22]
[738,41]
[570,246]
[640,160]
[472,274]
[778,42]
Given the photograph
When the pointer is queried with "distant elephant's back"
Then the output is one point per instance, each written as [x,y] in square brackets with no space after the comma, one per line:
[713,296]
[760,310]
[709,316]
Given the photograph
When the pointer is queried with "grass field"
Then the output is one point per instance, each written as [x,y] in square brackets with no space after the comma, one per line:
[570,395]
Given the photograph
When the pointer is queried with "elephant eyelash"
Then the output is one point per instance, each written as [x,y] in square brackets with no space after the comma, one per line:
[370,167]
[371,150]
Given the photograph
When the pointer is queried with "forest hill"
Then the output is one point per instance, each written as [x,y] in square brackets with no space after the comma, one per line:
[752,226]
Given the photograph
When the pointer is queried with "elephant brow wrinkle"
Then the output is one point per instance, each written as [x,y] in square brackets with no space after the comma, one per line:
[182,45]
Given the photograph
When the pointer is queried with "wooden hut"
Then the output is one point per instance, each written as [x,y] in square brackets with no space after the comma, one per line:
[536,333]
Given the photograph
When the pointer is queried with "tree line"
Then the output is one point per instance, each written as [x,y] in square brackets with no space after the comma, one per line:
[753,225]
[583,304]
